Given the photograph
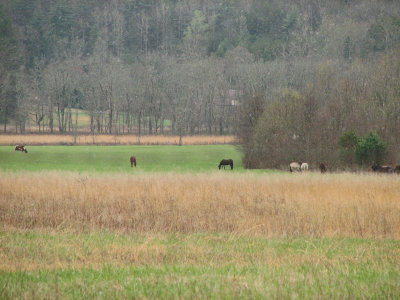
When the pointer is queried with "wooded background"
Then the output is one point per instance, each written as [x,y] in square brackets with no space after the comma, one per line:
[307,71]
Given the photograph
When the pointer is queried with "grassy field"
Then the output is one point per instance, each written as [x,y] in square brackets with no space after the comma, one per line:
[274,205]
[77,222]
[43,264]
[116,158]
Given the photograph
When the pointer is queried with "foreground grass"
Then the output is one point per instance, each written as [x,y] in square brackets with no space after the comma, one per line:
[221,234]
[116,158]
[46,264]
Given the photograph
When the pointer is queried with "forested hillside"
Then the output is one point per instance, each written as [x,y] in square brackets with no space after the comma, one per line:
[313,69]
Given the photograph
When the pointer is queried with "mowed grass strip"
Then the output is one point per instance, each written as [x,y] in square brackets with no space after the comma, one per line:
[45,264]
[313,205]
[116,158]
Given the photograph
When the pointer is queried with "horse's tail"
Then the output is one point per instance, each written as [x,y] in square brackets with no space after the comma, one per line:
[134,161]
[232,165]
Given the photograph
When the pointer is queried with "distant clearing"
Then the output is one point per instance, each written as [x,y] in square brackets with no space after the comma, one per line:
[107,139]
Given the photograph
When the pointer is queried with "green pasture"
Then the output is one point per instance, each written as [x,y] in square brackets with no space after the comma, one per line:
[116,158]
[199,266]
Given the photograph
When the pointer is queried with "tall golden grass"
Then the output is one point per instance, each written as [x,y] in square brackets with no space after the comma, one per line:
[49,139]
[337,205]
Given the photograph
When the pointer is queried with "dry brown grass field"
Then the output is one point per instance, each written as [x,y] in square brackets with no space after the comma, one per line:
[303,205]
[57,139]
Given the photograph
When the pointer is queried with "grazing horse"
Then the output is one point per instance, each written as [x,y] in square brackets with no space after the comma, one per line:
[20,148]
[387,169]
[294,167]
[382,169]
[322,167]
[226,162]
[304,167]
[376,168]
[397,169]
[133,161]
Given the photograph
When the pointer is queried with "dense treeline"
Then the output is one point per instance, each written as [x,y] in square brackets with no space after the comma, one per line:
[316,67]
[306,124]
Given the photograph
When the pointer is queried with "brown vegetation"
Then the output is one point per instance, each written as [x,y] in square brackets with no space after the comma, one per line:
[334,205]
[50,139]
[305,124]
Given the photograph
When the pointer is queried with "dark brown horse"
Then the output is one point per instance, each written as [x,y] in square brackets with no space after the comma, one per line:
[322,167]
[20,148]
[382,169]
[387,169]
[226,162]
[133,161]
[397,169]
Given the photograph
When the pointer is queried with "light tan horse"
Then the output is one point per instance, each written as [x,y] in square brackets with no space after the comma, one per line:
[294,167]
[304,167]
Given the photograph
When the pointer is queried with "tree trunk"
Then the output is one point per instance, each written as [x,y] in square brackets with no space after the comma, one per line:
[110,120]
[139,123]
[60,115]
[173,125]
[76,126]
[51,121]
[150,126]
[91,123]
[5,121]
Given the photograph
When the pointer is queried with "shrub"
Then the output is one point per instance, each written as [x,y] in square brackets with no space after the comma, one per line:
[370,150]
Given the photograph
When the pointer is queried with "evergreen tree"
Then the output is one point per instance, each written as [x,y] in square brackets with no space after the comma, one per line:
[370,150]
